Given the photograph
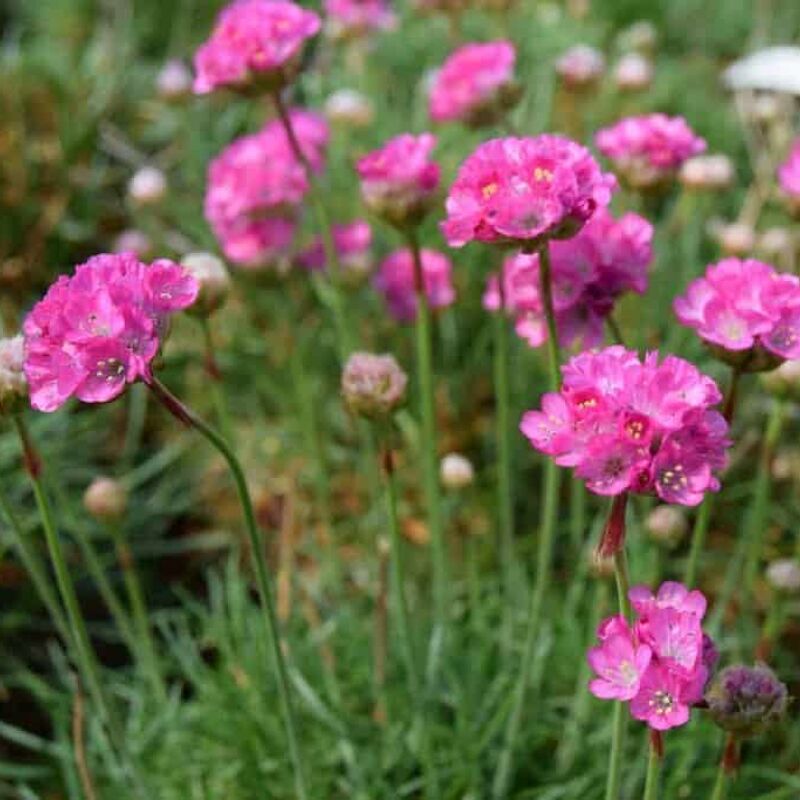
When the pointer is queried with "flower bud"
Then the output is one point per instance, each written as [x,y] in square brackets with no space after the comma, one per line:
[667,525]
[776,243]
[13,386]
[106,499]
[707,173]
[640,36]
[783,575]
[348,107]
[633,73]
[373,386]
[456,472]
[580,67]
[747,700]
[147,186]
[736,238]
[174,81]
[134,241]
[215,282]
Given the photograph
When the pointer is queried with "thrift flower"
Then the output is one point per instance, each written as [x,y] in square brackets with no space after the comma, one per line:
[147,186]
[605,259]
[397,283]
[649,150]
[255,45]
[99,330]
[746,311]
[350,19]
[628,425]
[662,662]
[633,73]
[373,386]
[580,67]
[399,180]
[525,190]
[475,84]
[353,243]
[707,173]
[789,178]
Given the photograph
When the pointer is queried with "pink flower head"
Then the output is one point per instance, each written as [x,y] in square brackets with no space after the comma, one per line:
[354,18]
[396,282]
[605,259]
[649,150]
[789,177]
[475,84]
[747,311]
[581,66]
[97,331]
[254,42]
[352,243]
[399,180]
[258,244]
[662,663]
[520,191]
[628,425]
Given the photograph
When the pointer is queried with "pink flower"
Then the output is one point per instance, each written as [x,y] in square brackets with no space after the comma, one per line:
[255,187]
[581,66]
[254,42]
[99,330]
[352,243]
[661,664]
[649,150]
[395,281]
[520,191]
[606,258]
[475,84]
[747,311]
[354,18]
[634,426]
[399,180]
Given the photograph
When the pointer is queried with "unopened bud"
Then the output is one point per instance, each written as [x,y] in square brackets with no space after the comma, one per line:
[666,525]
[580,67]
[707,173]
[350,108]
[747,700]
[783,575]
[736,239]
[106,499]
[633,73]
[456,472]
[373,385]
[147,186]
[640,36]
[775,243]
[134,241]
[13,386]
[174,81]
[214,279]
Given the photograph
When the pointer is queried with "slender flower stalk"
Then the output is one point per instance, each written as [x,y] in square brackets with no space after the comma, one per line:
[214,373]
[546,278]
[727,766]
[190,419]
[655,757]
[430,461]
[79,637]
[327,291]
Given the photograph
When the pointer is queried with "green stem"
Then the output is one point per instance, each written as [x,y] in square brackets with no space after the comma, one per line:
[653,767]
[36,569]
[577,514]
[146,649]
[699,532]
[215,376]
[79,639]
[727,766]
[720,784]
[137,414]
[327,291]
[430,465]
[620,718]
[505,502]
[413,672]
[190,419]
[546,291]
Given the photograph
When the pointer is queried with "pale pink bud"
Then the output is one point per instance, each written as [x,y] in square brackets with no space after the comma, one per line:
[783,575]
[133,241]
[13,386]
[147,186]
[174,80]
[707,173]
[213,278]
[373,385]
[106,499]
[633,73]
[666,524]
[349,107]
[736,238]
[456,472]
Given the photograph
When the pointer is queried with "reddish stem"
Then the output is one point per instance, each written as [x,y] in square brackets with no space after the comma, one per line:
[613,538]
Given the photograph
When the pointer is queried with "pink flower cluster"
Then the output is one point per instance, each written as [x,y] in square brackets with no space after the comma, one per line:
[474,83]
[606,258]
[520,190]
[661,663]
[396,282]
[789,176]
[628,425]
[352,242]
[747,311]
[256,185]
[353,18]
[254,41]
[100,329]
[650,149]
[399,180]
